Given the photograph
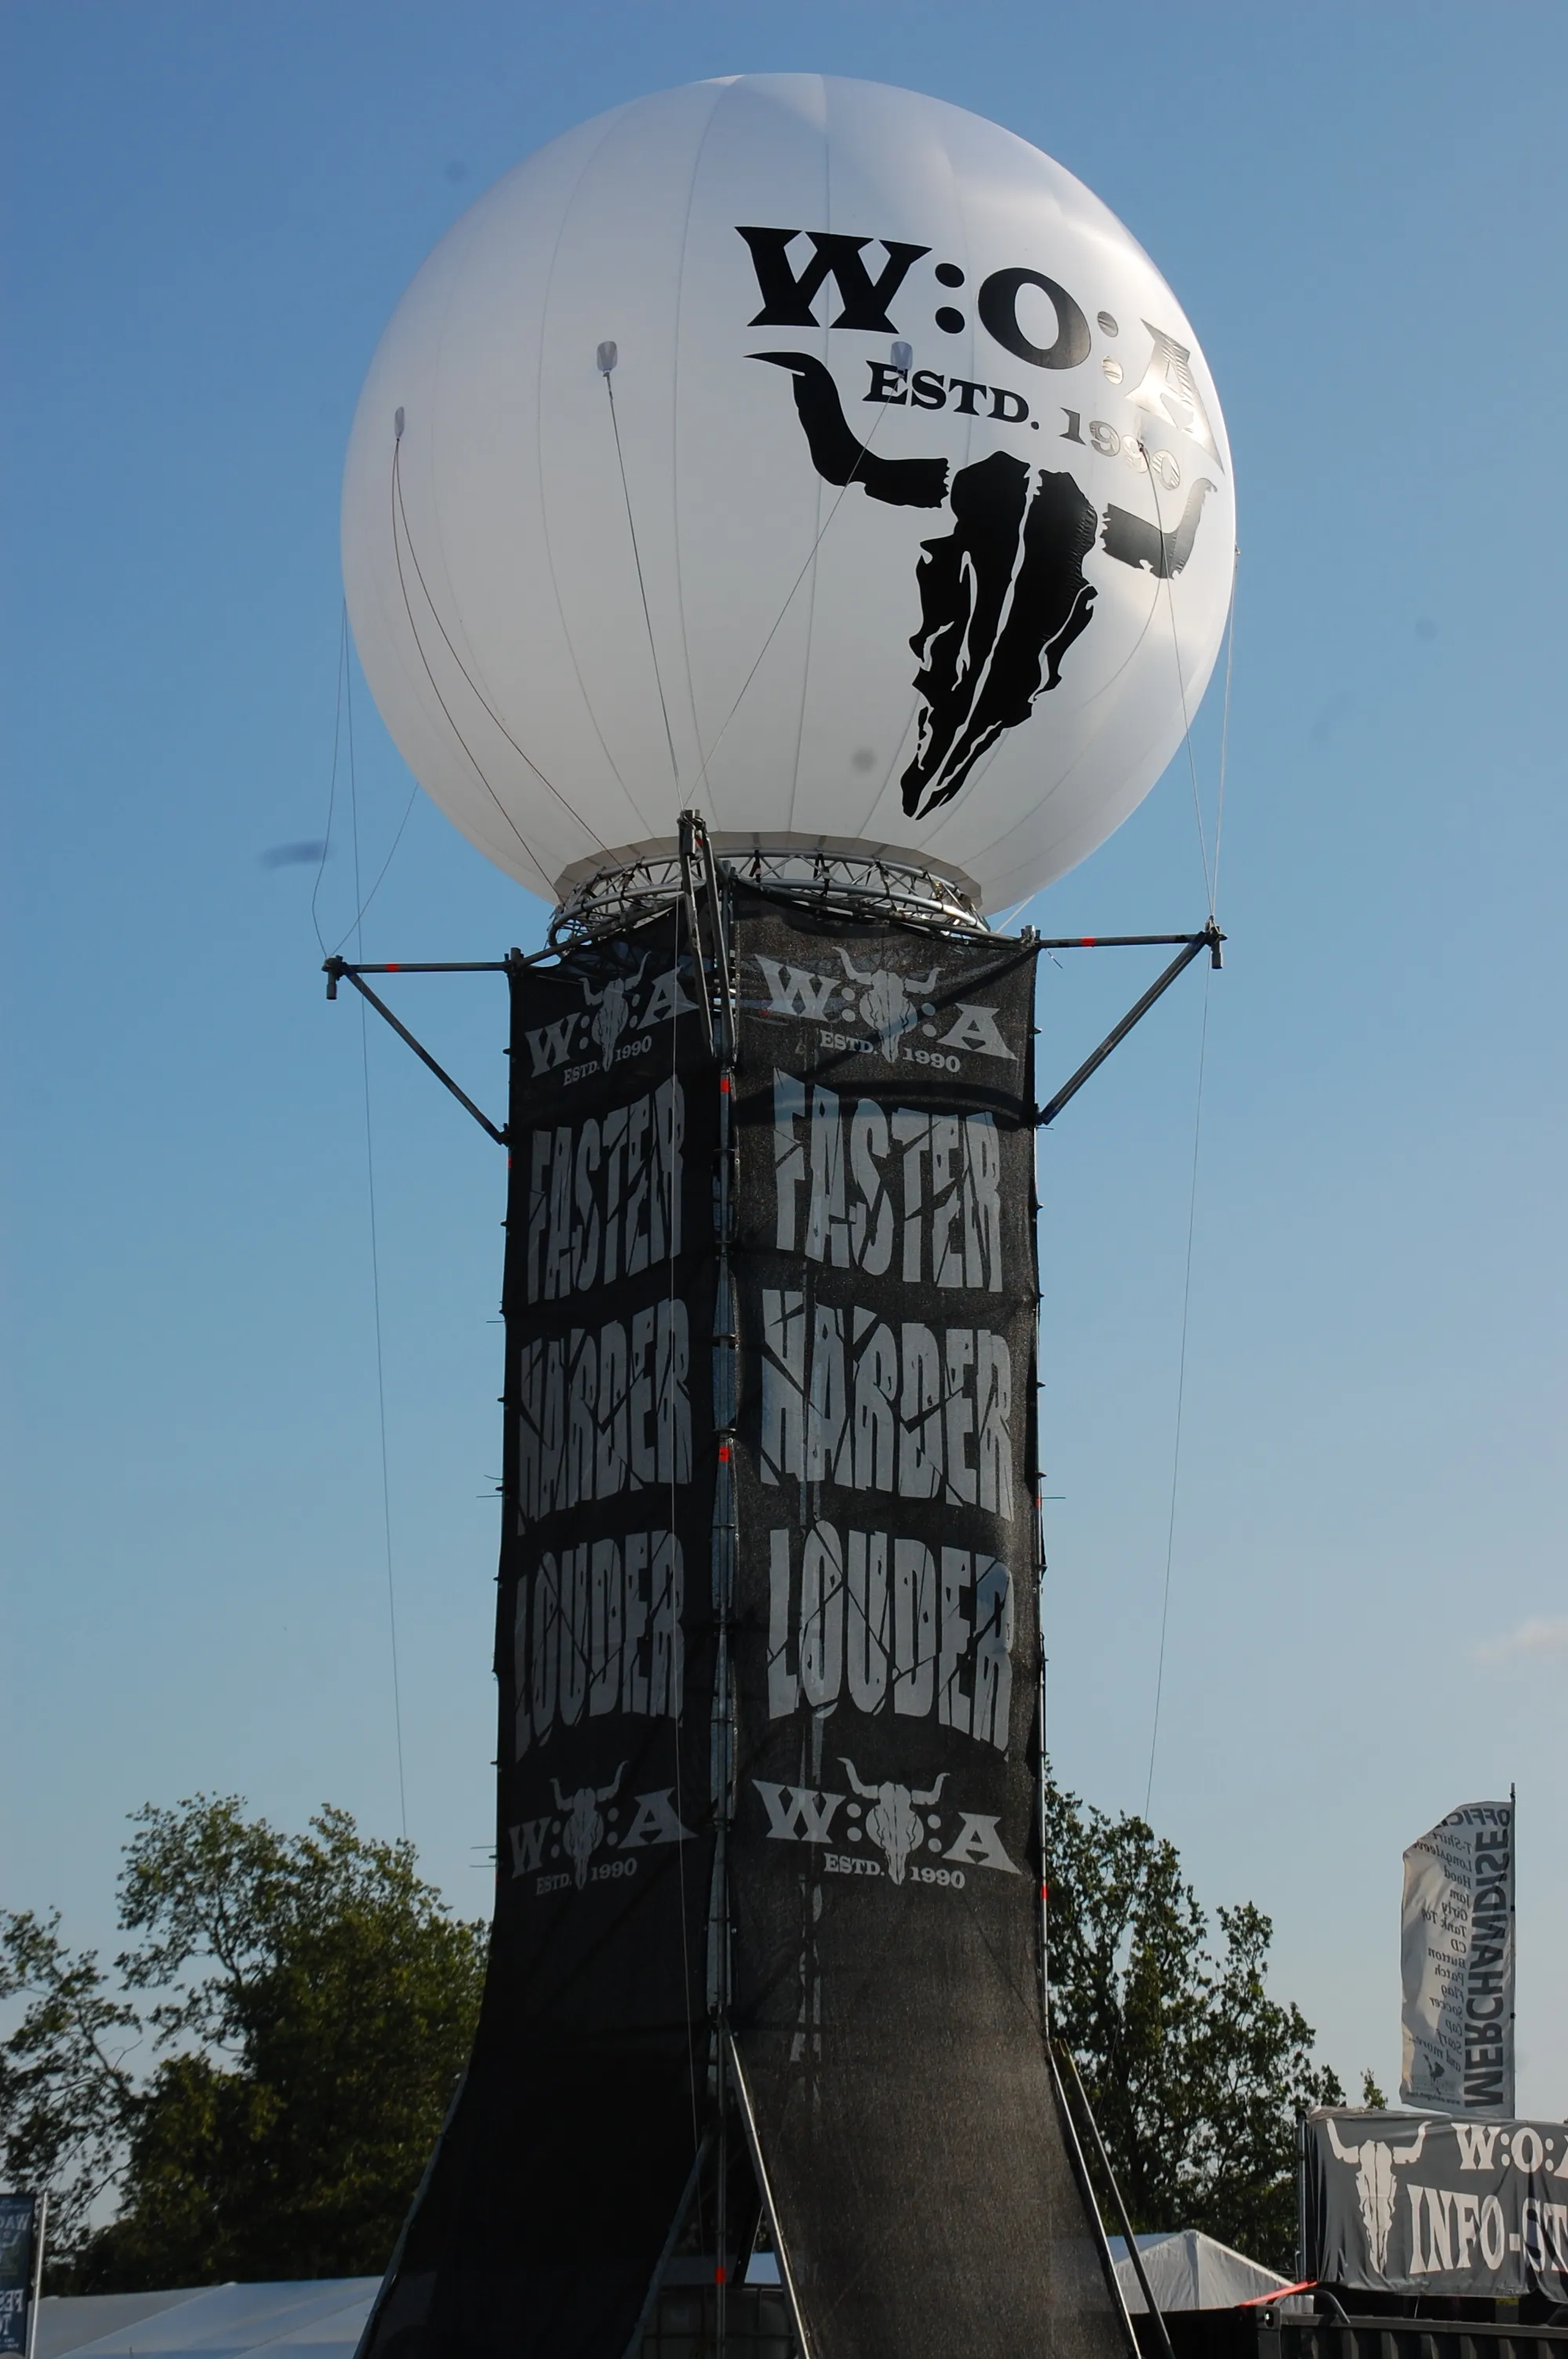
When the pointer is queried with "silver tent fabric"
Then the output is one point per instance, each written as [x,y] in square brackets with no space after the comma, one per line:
[1187,2270]
[323,2319]
[313,2318]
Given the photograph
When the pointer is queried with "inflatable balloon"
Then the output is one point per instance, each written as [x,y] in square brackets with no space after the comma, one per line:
[808,453]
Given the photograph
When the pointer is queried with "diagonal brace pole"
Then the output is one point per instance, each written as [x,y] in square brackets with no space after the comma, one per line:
[338,971]
[1091,2200]
[1133,2254]
[1193,944]
[764,2189]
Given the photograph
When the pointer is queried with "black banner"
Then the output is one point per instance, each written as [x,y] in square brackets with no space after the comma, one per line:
[1411,2204]
[561,2170]
[861,1517]
[21,2258]
[885,1857]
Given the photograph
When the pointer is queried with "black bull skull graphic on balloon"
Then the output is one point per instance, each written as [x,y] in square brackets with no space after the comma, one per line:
[1003,596]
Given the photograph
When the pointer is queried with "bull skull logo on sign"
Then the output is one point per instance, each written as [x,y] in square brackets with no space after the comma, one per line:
[889,1003]
[613,1011]
[583,1826]
[1373,2162]
[1003,596]
[893,1821]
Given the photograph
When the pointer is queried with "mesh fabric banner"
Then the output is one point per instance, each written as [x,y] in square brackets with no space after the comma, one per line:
[1398,2204]
[21,2257]
[866,1513]
[549,2202]
[886,1862]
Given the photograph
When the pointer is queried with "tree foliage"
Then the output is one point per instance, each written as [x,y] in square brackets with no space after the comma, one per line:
[313,2002]
[264,2087]
[1195,2073]
[66,2092]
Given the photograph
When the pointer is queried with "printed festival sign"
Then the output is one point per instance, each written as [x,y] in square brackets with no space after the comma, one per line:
[885,1857]
[1406,2204]
[770,1380]
[1457,1953]
[544,2213]
[21,2233]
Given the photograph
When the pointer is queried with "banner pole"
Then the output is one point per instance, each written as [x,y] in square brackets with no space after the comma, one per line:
[338,971]
[1133,2254]
[1044,1870]
[689,823]
[764,2189]
[1210,940]
[1091,2205]
[1038,1479]
[40,2227]
[1513,1942]
[696,849]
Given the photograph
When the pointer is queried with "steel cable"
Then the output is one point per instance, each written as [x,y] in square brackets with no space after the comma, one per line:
[376,1284]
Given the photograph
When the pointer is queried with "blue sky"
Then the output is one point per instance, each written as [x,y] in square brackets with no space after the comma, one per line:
[211,213]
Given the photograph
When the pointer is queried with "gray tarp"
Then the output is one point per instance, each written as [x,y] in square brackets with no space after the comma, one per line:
[1187,2270]
[1416,2204]
[316,2318]
[323,2318]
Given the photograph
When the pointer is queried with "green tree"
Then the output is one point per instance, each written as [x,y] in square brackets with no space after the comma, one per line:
[1195,2073]
[309,2004]
[66,2092]
[315,2002]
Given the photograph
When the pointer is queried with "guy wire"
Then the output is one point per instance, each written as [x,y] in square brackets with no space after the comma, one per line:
[399,510]
[332,778]
[1181,1395]
[375,1277]
[642,586]
[344,660]
[381,872]
[1211,879]
[1182,690]
[789,601]
[1225,722]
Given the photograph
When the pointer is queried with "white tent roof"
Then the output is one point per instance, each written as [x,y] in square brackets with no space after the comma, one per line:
[318,2319]
[322,2318]
[1187,2270]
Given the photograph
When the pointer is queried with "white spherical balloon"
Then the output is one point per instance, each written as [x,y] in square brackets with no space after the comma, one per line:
[808,452]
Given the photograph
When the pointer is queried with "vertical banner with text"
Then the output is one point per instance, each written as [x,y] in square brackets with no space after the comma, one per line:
[21,2265]
[885,1853]
[1458,1954]
[561,2170]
